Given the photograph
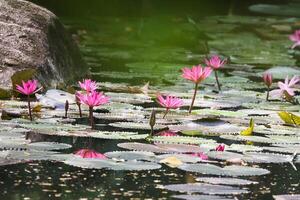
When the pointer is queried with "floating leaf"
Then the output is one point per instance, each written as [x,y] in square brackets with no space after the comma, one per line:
[200,197]
[132,125]
[287,197]
[219,113]
[248,138]
[142,147]
[47,146]
[205,188]
[186,158]
[120,116]
[171,161]
[28,155]
[161,148]
[111,164]
[181,140]
[131,155]
[224,155]
[286,117]
[225,181]
[286,149]
[233,170]
[244,148]
[255,157]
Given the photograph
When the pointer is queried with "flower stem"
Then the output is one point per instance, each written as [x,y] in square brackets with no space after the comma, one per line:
[29,108]
[194,97]
[66,108]
[166,112]
[79,108]
[217,80]
[268,93]
[152,122]
[92,123]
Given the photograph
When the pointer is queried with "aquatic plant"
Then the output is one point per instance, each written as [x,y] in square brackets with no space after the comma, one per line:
[88,85]
[169,102]
[289,118]
[91,100]
[220,147]
[286,90]
[295,37]
[268,79]
[195,74]
[28,88]
[89,153]
[249,130]
[216,63]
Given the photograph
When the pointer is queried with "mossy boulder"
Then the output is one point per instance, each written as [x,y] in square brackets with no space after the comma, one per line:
[35,44]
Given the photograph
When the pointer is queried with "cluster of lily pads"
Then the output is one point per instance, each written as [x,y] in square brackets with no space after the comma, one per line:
[255,131]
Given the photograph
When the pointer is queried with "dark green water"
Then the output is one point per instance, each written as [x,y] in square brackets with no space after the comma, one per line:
[135,42]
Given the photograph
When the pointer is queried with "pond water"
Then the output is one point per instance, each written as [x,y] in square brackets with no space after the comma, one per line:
[127,44]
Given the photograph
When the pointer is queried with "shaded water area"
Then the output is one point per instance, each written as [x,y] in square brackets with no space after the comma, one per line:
[129,43]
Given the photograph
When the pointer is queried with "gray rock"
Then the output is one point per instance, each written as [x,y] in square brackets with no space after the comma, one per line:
[33,42]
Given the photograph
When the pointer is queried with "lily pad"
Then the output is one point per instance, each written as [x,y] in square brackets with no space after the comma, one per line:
[200,197]
[131,155]
[287,197]
[205,189]
[233,170]
[132,125]
[111,164]
[225,181]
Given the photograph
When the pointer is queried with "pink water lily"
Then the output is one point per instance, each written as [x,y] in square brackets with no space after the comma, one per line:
[169,102]
[88,85]
[286,89]
[166,133]
[92,100]
[295,37]
[27,88]
[268,80]
[220,147]
[196,74]
[88,153]
[215,62]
